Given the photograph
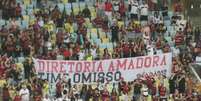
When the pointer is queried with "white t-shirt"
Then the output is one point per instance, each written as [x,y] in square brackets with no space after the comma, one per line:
[146,38]
[41,23]
[145,91]
[134,8]
[46,99]
[144,9]
[175,51]
[24,94]
[159,51]
[150,50]
[81,55]
[116,6]
[93,52]
[59,99]
[154,1]
[66,39]
[156,20]
[48,45]
[65,98]
[130,2]
[180,24]
[101,87]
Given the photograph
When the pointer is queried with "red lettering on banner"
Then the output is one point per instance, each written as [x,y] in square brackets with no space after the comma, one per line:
[87,66]
[163,62]
[55,67]
[111,67]
[41,67]
[63,68]
[131,65]
[155,61]
[147,62]
[94,66]
[78,67]
[70,65]
[139,62]
[121,65]
[48,66]
[100,67]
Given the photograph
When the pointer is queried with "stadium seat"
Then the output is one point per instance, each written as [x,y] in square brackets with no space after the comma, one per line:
[102,35]
[167,22]
[2,22]
[94,34]
[102,45]
[61,7]
[68,8]
[93,12]
[105,40]
[20,59]
[109,45]
[97,41]
[110,50]
[170,13]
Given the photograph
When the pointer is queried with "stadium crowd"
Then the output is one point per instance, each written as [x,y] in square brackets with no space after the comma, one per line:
[105,30]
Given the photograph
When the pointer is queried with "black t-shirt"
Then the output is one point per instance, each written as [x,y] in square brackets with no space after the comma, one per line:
[86,13]
[182,84]
[165,11]
[137,88]
[60,22]
[114,30]
[172,85]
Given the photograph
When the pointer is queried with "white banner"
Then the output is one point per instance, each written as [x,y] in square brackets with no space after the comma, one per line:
[111,70]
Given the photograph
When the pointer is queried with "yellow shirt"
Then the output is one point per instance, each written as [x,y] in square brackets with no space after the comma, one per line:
[89,58]
[65,1]
[19,66]
[27,2]
[120,23]
[2,82]
[45,88]
[68,27]
[12,94]
[109,87]
[53,39]
[149,98]
[49,27]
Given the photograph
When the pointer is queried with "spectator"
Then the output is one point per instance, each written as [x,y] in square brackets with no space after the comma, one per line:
[46,33]
[122,9]
[115,32]
[108,9]
[28,68]
[55,13]
[144,11]
[59,89]
[105,95]
[46,98]
[96,95]
[86,12]
[106,54]
[17,97]
[24,93]
[197,34]
[134,10]
[18,11]
[137,90]
[114,96]
[179,38]
[5,93]
[178,7]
